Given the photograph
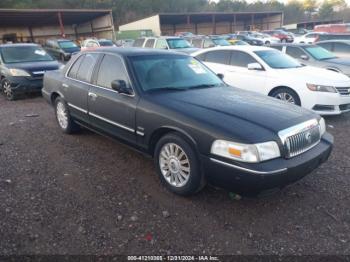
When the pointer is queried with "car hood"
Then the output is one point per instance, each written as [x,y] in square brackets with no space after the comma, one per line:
[224,106]
[36,68]
[71,50]
[313,75]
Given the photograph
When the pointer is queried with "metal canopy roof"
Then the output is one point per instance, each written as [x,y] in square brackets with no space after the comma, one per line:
[173,18]
[40,17]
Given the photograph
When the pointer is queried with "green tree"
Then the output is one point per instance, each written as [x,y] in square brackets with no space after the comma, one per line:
[326,10]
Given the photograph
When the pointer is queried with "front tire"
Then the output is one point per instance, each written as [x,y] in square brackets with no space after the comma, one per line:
[7,90]
[178,166]
[63,117]
[287,95]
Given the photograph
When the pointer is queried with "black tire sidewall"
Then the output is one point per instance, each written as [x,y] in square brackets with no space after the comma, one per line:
[290,92]
[195,182]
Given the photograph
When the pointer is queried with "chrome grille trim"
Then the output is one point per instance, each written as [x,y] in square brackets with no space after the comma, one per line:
[344,91]
[300,138]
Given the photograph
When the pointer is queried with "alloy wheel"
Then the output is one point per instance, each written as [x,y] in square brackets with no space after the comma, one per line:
[6,88]
[174,165]
[285,97]
[62,116]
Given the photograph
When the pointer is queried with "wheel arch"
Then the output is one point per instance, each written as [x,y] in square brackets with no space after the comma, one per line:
[54,96]
[162,131]
[284,86]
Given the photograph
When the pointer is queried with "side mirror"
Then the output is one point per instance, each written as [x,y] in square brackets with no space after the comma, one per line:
[221,76]
[121,87]
[304,57]
[255,66]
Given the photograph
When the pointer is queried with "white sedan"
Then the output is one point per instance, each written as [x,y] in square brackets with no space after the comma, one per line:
[270,72]
[309,38]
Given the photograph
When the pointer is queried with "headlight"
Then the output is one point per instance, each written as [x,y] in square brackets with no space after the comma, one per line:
[18,72]
[321,88]
[251,153]
[322,126]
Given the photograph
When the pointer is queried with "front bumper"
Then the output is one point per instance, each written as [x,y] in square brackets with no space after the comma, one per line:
[245,178]
[20,84]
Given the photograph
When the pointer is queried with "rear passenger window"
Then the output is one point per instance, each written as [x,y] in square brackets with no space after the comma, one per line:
[74,69]
[241,59]
[278,47]
[219,57]
[87,67]
[139,42]
[161,44]
[111,68]
[197,43]
[150,43]
[294,52]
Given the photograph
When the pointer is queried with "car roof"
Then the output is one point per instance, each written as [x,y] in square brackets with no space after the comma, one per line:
[291,44]
[133,51]
[18,44]
[335,40]
[251,48]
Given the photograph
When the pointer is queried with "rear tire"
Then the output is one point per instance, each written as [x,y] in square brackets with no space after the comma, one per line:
[286,94]
[178,166]
[63,117]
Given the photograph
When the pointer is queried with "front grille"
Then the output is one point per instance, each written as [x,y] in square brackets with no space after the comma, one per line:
[344,91]
[300,138]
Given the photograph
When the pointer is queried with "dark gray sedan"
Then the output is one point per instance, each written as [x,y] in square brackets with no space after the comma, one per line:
[314,55]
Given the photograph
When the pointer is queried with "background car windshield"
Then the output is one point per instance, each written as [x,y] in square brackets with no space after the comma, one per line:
[157,72]
[221,42]
[67,44]
[276,59]
[319,53]
[106,43]
[178,43]
[20,54]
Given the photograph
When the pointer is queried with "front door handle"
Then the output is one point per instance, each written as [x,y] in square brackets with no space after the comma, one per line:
[92,95]
[65,85]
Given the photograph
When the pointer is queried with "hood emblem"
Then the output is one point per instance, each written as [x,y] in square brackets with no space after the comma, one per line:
[308,137]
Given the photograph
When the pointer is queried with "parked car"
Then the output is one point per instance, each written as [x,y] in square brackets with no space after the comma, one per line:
[314,55]
[340,48]
[171,107]
[284,37]
[270,72]
[61,49]
[267,39]
[309,38]
[22,67]
[326,37]
[184,34]
[232,39]
[206,42]
[166,42]
[250,40]
[96,43]
[124,42]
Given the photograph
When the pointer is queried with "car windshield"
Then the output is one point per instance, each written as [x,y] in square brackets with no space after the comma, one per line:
[221,42]
[67,44]
[319,53]
[278,60]
[172,72]
[105,43]
[21,54]
[178,43]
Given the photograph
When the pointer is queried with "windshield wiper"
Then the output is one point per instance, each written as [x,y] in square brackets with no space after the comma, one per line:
[166,88]
[202,86]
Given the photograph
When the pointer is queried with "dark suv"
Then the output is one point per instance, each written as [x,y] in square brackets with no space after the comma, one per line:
[61,49]
[198,130]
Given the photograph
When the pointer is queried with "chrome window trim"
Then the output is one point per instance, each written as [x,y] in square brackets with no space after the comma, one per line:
[112,122]
[90,84]
[78,108]
[249,170]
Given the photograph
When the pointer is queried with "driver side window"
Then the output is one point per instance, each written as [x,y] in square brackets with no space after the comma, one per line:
[111,68]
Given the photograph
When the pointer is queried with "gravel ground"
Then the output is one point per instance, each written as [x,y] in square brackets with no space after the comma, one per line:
[85,194]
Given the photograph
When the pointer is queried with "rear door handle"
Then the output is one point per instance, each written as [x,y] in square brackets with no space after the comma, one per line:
[92,95]
[65,85]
